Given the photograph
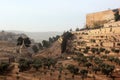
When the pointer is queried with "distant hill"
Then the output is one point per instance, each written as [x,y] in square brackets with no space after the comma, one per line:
[10,36]
[38,36]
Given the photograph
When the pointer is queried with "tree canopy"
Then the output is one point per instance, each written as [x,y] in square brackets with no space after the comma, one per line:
[22,40]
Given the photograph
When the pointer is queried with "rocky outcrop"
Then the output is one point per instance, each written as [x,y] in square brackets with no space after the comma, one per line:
[53,51]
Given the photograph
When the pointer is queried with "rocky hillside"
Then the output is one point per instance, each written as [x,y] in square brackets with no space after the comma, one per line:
[53,51]
[103,40]
[87,41]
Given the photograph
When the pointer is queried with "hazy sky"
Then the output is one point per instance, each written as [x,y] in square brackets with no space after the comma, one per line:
[49,15]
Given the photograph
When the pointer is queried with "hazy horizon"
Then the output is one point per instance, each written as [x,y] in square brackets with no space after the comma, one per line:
[49,15]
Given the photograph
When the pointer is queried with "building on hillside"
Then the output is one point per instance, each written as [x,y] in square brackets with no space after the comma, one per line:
[98,19]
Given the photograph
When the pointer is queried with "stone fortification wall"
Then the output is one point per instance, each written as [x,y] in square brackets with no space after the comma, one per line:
[95,19]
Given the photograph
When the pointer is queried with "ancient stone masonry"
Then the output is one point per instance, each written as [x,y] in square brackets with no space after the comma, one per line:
[98,19]
[102,32]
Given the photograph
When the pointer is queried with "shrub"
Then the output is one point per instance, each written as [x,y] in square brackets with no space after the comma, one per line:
[24,65]
[107,52]
[84,73]
[85,51]
[93,40]
[73,69]
[107,69]
[111,58]
[96,69]
[35,48]
[88,64]
[66,37]
[102,49]
[37,64]
[3,67]
[115,50]
[87,47]
[117,16]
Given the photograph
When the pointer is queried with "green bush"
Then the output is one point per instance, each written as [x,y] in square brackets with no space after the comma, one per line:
[117,16]
[37,63]
[4,67]
[102,49]
[73,69]
[24,65]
